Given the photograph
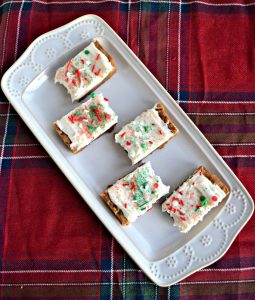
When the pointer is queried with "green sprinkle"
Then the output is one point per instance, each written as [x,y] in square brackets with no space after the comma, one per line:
[92,107]
[153,192]
[91,128]
[86,52]
[197,209]
[143,145]
[145,128]
[204,202]
[153,124]
[134,197]
[144,184]
[92,95]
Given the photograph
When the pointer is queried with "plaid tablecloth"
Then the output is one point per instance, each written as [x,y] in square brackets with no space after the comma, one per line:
[51,244]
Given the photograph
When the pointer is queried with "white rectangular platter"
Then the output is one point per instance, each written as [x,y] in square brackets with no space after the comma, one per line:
[161,251]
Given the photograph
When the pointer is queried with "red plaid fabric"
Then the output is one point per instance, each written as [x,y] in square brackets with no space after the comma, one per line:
[51,244]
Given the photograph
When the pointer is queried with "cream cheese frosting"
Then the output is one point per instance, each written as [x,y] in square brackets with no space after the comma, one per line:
[143,135]
[135,193]
[192,201]
[88,121]
[84,72]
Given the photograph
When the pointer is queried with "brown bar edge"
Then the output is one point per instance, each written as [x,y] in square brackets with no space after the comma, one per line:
[118,213]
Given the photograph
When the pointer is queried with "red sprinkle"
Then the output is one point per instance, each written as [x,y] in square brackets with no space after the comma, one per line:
[71,118]
[86,78]
[98,56]
[76,118]
[106,99]
[181,203]
[172,209]
[97,72]
[82,61]
[150,208]
[183,219]
[66,79]
[214,198]
[160,131]
[180,212]
[193,183]
[81,119]
[99,118]
[123,134]
[74,82]
[175,198]
[93,68]
[96,111]
[78,73]
[125,184]
[128,143]
[133,186]
[155,185]
[181,193]
[108,117]
[125,205]
[68,66]
[150,142]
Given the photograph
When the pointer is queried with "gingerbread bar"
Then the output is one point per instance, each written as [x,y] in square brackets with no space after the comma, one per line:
[86,122]
[86,71]
[147,132]
[195,198]
[134,194]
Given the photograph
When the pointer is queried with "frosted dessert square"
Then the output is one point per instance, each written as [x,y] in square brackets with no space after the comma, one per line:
[86,122]
[194,199]
[86,71]
[147,132]
[133,195]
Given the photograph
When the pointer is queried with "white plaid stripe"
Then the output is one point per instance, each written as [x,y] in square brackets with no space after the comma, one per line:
[4,40]
[168,45]
[169,293]
[139,26]
[18,29]
[124,275]
[9,106]
[4,138]
[245,281]
[118,270]
[112,267]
